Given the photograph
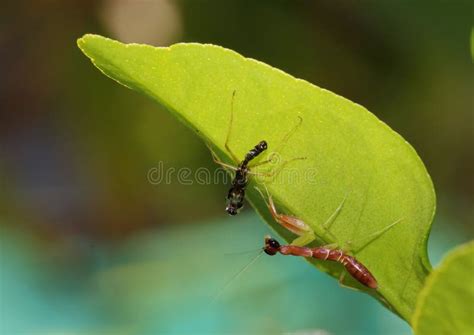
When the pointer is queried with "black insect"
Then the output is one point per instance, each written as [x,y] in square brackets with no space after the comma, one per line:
[236,195]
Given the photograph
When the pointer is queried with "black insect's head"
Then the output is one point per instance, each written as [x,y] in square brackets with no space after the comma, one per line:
[235,200]
[234,207]
[231,209]
[271,246]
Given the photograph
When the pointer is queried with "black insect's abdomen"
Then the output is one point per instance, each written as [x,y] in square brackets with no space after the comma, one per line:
[257,150]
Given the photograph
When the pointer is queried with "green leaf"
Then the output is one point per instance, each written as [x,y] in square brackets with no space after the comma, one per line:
[445,303]
[349,152]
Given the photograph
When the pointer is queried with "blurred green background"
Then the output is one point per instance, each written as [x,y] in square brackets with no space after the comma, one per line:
[89,246]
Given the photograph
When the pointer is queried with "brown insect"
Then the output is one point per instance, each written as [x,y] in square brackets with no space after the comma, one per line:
[352,265]
[306,235]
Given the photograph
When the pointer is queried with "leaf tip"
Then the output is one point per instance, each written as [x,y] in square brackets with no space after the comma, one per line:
[86,39]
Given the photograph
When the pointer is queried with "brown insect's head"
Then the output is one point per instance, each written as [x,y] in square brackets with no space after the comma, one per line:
[271,246]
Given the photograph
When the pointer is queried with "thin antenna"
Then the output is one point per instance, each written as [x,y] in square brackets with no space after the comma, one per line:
[229,129]
[242,252]
[234,277]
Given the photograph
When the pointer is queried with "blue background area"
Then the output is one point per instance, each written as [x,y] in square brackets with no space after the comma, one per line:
[175,281]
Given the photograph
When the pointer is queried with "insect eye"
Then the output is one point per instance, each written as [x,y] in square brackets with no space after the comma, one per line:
[273,243]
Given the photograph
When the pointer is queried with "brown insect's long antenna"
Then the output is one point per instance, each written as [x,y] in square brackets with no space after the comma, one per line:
[243,252]
[234,277]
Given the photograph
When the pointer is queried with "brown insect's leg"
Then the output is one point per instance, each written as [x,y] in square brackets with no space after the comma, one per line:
[341,282]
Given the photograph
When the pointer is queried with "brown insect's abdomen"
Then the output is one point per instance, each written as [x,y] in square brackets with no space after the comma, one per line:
[359,272]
